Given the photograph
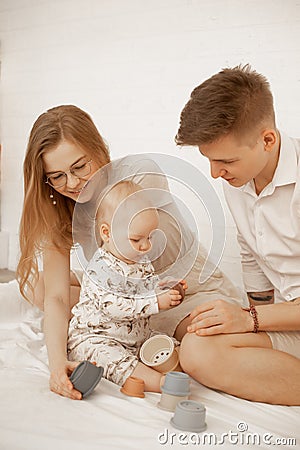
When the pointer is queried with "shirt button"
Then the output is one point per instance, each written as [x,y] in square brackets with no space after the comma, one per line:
[288,297]
[260,233]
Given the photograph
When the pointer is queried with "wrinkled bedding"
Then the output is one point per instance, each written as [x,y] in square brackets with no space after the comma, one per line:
[32,417]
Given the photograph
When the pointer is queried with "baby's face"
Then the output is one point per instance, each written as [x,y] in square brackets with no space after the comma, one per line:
[130,242]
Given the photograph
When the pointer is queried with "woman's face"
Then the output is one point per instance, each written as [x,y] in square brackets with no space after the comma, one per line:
[70,164]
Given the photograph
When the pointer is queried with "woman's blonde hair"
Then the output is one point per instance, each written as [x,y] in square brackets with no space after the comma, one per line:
[42,222]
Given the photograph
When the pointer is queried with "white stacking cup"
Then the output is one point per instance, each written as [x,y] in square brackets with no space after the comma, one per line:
[159,353]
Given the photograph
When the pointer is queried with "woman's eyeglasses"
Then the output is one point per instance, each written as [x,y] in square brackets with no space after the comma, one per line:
[59,179]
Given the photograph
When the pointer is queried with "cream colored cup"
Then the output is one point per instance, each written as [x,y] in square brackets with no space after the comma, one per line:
[168,402]
[159,353]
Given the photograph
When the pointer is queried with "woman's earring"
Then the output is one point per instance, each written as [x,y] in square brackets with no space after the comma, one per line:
[52,197]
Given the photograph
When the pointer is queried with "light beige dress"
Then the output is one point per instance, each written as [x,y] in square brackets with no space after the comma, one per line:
[183,255]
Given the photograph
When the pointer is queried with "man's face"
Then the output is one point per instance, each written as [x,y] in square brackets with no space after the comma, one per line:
[235,161]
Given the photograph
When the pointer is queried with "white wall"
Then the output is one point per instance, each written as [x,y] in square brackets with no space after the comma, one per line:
[132,65]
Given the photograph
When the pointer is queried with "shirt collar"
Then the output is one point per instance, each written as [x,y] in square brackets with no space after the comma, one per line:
[286,170]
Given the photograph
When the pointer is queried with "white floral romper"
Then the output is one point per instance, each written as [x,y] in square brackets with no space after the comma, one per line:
[111,320]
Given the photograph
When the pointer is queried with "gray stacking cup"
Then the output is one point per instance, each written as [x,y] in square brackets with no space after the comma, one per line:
[85,377]
[176,383]
[189,416]
[176,388]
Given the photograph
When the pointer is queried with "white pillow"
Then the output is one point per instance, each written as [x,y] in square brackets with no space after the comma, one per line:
[13,307]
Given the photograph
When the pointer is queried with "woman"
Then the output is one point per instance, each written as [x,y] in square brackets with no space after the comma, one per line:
[64,156]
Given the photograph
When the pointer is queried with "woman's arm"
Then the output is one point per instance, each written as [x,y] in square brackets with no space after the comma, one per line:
[219,316]
[56,320]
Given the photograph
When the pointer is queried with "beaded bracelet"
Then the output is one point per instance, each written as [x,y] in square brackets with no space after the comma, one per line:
[253,313]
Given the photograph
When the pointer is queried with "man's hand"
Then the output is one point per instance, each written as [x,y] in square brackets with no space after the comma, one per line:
[219,317]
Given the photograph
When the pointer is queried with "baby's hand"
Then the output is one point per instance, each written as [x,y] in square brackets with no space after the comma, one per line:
[171,283]
[169,299]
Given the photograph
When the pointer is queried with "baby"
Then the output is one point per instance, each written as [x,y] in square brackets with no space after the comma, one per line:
[120,290]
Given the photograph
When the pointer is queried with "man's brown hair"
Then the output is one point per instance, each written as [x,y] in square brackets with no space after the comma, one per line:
[236,100]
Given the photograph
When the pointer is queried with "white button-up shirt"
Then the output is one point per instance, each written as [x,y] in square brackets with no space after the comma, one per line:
[268,227]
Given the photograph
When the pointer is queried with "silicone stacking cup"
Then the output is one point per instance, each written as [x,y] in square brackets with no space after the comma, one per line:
[168,402]
[85,377]
[159,353]
[189,416]
[176,388]
[176,383]
[134,387]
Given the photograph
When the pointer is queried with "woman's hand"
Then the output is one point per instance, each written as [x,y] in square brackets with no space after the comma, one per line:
[60,382]
[219,316]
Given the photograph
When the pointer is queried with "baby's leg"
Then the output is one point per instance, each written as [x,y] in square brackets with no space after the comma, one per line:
[117,361]
[153,379]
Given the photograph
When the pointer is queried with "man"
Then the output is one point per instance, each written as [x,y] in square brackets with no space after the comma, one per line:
[231,118]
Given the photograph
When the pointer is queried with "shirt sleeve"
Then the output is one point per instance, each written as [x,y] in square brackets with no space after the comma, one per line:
[253,276]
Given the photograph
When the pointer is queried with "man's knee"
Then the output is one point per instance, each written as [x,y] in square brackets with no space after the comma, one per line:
[197,351]
[202,357]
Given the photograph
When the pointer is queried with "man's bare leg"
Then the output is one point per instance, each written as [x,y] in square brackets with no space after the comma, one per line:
[182,328]
[244,365]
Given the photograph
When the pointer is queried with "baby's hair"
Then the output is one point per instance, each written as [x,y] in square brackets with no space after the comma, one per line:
[120,205]
[113,196]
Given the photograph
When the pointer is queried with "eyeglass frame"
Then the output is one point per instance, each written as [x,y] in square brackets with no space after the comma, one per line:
[71,171]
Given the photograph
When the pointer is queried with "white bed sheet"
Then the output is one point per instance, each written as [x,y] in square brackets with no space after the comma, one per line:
[32,417]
